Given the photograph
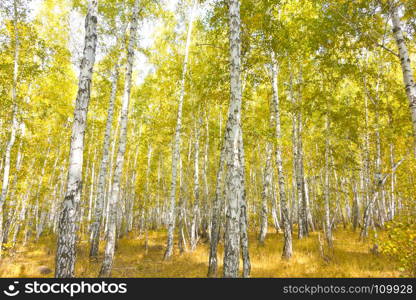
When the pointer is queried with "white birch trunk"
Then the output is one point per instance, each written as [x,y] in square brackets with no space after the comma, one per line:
[177,142]
[65,255]
[216,217]
[99,201]
[328,223]
[234,186]
[115,191]
[287,232]
[405,62]
[12,139]
[147,196]
[205,227]
[266,193]
[196,212]
[243,213]
[12,204]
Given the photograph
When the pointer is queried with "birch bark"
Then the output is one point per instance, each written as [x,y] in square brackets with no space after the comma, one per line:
[328,225]
[287,233]
[12,139]
[65,254]
[177,141]
[405,62]
[234,185]
[266,193]
[216,217]
[115,191]
[99,202]
[12,204]
[196,212]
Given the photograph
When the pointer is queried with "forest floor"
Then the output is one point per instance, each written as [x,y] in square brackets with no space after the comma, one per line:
[351,258]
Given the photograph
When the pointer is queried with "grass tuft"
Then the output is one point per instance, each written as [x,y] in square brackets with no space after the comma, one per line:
[351,258]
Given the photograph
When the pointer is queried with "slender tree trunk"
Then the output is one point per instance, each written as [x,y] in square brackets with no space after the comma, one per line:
[298,162]
[368,204]
[405,62]
[115,191]
[182,243]
[12,139]
[234,186]
[300,182]
[12,204]
[295,192]
[196,212]
[65,254]
[110,176]
[355,207]
[328,223]
[23,205]
[339,211]
[287,232]
[99,201]
[392,185]
[378,168]
[276,211]
[266,193]
[132,194]
[177,142]
[91,202]
[216,217]
[204,219]
[243,214]
[308,206]
[147,196]
[22,215]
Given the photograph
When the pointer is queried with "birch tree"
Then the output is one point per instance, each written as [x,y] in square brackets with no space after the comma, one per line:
[15,125]
[196,212]
[216,216]
[405,63]
[67,235]
[115,191]
[266,193]
[287,231]
[99,202]
[177,141]
[234,180]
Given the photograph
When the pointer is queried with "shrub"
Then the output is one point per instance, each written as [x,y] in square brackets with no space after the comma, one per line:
[400,243]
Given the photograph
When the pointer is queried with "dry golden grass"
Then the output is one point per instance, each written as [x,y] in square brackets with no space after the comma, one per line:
[351,258]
